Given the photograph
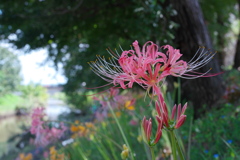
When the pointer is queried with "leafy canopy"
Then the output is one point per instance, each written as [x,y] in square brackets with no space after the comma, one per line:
[75,31]
[9,71]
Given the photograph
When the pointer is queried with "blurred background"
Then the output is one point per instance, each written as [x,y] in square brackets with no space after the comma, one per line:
[45,46]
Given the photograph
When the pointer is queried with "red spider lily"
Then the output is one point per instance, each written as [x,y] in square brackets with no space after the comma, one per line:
[170,122]
[147,130]
[149,67]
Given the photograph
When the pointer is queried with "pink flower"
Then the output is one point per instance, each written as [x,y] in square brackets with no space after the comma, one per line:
[113,92]
[171,65]
[43,133]
[116,101]
[181,68]
[45,154]
[148,67]
[137,66]
[133,122]
[147,130]
[170,122]
[37,119]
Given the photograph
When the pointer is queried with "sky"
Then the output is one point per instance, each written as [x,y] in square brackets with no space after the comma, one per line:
[34,70]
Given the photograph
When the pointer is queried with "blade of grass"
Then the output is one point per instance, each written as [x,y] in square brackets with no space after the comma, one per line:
[180,152]
[101,149]
[231,148]
[189,139]
[121,130]
[109,142]
[82,154]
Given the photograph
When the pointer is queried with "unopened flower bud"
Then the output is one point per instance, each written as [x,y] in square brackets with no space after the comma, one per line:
[125,152]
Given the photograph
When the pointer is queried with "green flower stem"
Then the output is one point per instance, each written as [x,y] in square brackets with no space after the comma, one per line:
[121,130]
[111,140]
[174,147]
[146,148]
[179,149]
[152,153]
[189,139]
[82,153]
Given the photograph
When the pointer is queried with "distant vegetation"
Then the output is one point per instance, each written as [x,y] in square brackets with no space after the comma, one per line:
[26,97]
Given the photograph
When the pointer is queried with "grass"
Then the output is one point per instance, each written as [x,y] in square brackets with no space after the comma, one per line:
[214,136]
[9,102]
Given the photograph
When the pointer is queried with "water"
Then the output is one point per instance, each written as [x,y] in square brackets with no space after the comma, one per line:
[55,108]
[9,127]
[12,125]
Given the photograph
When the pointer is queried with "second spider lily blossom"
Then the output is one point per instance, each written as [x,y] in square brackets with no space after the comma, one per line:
[175,120]
[148,66]
[147,130]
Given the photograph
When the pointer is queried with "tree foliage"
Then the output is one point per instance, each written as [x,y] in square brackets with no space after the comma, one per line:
[219,16]
[35,95]
[65,27]
[75,31]
[9,71]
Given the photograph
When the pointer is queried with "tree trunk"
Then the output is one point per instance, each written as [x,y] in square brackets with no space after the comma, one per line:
[237,53]
[191,34]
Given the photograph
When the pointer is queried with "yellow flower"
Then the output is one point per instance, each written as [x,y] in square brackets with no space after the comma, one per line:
[118,114]
[27,157]
[54,155]
[81,128]
[129,106]
[74,128]
[89,125]
[78,128]
[125,152]
[60,156]
[21,156]
[53,151]
[125,147]
[75,135]
[76,122]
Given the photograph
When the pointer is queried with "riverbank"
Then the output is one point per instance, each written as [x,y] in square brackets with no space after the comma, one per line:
[7,115]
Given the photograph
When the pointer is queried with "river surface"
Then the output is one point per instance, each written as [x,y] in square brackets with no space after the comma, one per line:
[9,127]
[12,125]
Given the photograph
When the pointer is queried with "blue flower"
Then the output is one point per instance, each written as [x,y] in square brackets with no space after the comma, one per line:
[228,104]
[206,151]
[215,155]
[223,116]
[229,141]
